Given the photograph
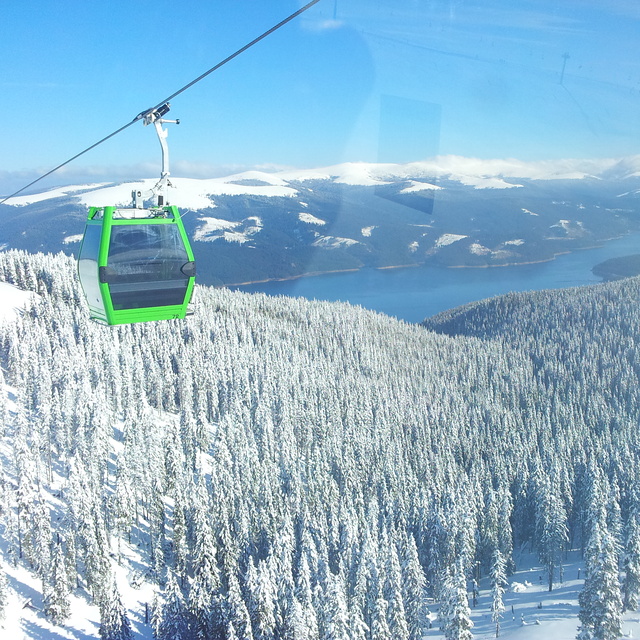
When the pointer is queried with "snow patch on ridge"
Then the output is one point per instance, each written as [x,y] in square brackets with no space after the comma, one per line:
[333,242]
[415,186]
[213,229]
[187,193]
[210,227]
[309,219]
[448,238]
[479,250]
[59,192]
[71,239]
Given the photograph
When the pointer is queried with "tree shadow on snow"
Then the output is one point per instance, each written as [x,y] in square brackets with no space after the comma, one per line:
[34,631]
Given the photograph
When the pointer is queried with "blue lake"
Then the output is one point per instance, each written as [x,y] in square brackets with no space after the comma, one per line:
[415,293]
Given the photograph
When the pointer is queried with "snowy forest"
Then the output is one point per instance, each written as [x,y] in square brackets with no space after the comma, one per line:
[284,469]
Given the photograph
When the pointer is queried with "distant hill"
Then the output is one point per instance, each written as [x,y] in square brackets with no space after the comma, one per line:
[618,268]
[450,211]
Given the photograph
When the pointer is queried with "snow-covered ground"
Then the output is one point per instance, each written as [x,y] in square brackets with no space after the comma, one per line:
[532,611]
[12,300]
[449,238]
[24,619]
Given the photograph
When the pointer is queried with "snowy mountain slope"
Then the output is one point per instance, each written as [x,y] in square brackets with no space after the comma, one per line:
[479,173]
[548,207]
[192,194]
[283,468]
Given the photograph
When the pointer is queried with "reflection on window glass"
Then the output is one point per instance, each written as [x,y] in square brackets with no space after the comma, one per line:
[88,265]
[145,266]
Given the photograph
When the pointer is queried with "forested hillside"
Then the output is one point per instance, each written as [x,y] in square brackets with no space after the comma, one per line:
[306,470]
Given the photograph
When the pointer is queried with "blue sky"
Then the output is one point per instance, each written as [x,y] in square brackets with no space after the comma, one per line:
[370,80]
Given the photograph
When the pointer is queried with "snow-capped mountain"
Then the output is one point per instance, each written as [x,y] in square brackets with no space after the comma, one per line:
[449,210]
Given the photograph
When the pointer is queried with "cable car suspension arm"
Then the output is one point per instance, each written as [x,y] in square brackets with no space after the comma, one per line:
[154,117]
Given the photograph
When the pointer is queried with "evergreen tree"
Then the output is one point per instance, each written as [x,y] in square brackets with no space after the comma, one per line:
[261,604]
[358,630]
[4,594]
[56,589]
[380,626]
[414,588]
[631,562]
[304,595]
[552,528]
[172,623]
[237,613]
[498,579]
[600,600]
[204,595]
[4,413]
[505,529]
[335,619]
[114,622]
[396,615]
[455,614]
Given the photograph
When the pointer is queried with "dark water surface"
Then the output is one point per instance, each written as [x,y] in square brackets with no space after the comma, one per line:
[415,293]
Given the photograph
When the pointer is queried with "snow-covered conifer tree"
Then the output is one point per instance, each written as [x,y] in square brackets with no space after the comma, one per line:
[172,623]
[236,612]
[413,584]
[204,592]
[358,630]
[335,618]
[4,593]
[304,595]
[552,528]
[505,529]
[631,561]
[379,623]
[600,600]
[261,592]
[4,413]
[114,622]
[56,589]
[396,616]
[498,579]
[455,614]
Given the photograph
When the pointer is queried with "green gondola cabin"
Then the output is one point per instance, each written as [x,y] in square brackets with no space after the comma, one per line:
[136,265]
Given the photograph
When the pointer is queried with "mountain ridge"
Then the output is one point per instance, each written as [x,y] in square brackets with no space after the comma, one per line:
[450,211]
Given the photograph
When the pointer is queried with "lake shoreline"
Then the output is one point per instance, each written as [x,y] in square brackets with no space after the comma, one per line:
[313,274]
[415,294]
